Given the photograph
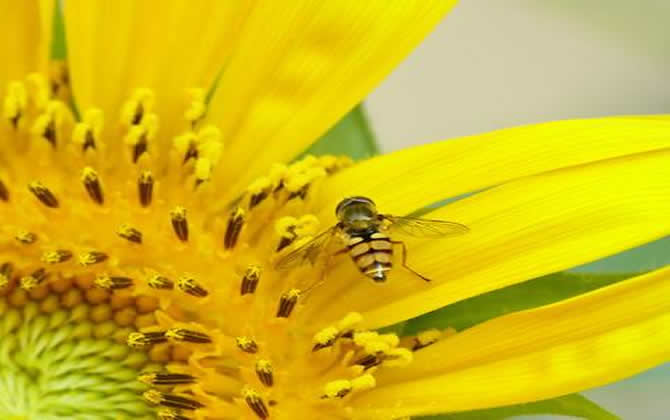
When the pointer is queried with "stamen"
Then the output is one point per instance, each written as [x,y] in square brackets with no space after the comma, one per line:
[130,233]
[15,103]
[188,284]
[426,338]
[146,188]
[92,257]
[171,400]
[113,282]
[5,274]
[179,223]
[287,303]
[4,192]
[92,184]
[343,387]
[57,256]
[264,372]
[157,378]
[197,105]
[160,282]
[250,280]
[43,194]
[255,402]
[235,224]
[246,344]
[140,340]
[26,237]
[170,414]
[181,334]
[134,109]
[35,279]
[325,338]
[258,191]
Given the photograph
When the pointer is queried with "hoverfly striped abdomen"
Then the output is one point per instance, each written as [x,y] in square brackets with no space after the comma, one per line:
[372,252]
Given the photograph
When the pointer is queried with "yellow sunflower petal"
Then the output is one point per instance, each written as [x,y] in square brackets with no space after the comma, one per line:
[403,181]
[300,66]
[117,47]
[570,346]
[24,48]
[520,230]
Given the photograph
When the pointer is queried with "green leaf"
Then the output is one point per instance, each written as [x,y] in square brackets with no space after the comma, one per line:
[526,295]
[573,405]
[58,45]
[351,136]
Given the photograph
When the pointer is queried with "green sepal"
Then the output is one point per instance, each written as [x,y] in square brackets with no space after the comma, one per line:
[573,405]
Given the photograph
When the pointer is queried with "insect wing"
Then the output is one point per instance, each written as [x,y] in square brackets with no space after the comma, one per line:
[424,228]
[308,252]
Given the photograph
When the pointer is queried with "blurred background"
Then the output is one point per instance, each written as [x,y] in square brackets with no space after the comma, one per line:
[501,63]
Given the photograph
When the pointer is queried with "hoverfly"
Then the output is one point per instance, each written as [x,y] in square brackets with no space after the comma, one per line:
[363,232]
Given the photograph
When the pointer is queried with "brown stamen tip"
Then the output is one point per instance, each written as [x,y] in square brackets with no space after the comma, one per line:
[140,147]
[369,361]
[43,194]
[264,372]
[182,334]
[92,257]
[246,344]
[129,233]
[89,141]
[234,228]
[179,223]
[6,270]
[258,198]
[250,280]
[171,400]
[4,192]
[92,184]
[255,402]
[191,153]
[35,279]
[145,187]
[113,282]
[139,339]
[170,414]
[160,282]
[301,193]
[26,237]
[188,284]
[57,256]
[157,378]
[50,132]
[287,303]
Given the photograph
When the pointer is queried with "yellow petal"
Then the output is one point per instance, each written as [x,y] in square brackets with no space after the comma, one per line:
[520,230]
[26,41]
[570,346]
[167,46]
[302,65]
[404,181]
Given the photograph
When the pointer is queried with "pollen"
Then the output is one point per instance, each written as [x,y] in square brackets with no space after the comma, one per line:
[149,284]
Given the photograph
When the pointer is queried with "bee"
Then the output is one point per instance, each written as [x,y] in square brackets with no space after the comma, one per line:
[365,234]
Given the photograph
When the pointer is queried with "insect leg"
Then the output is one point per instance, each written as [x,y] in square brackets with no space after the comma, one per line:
[404,260]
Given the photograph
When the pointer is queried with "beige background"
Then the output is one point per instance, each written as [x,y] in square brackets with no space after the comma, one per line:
[499,63]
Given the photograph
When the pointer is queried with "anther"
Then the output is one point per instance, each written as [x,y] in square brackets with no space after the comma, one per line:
[426,338]
[255,402]
[157,378]
[49,132]
[92,257]
[170,414]
[287,303]
[139,339]
[188,284]
[246,344]
[92,184]
[250,280]
[160,282]
[113,282]
[57,256]
[43,194]
[5,274]
[145,187]
[325,338]
[264,372]
[129,233]
[342,387]
[171,400]
[368,361]
[190,336]
[35,279]
[4,192]
[179,223]
[235,224]
[139,148]
[26,237]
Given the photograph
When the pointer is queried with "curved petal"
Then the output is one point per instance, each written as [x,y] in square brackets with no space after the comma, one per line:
[570,346]
[302,65]
[25,46]
[168,46]
[519,230]
[404,181]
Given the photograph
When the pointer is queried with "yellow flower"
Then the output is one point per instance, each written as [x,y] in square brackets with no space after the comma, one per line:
[138,236]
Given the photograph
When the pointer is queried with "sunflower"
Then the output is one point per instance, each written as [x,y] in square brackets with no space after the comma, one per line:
[144,204]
